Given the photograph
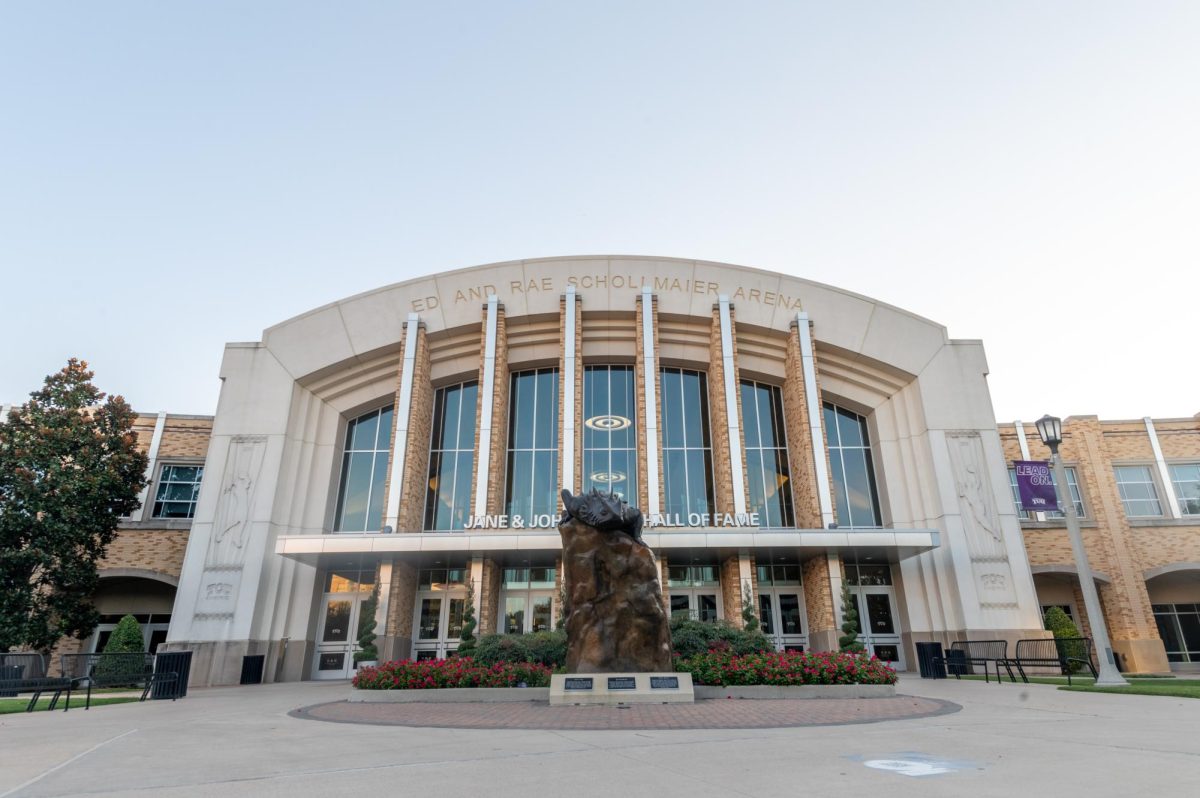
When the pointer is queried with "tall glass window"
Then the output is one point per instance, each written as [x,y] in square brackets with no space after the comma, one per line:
[364,468]
[852,466]
[687,445]
[532,446]
[610,431]
[766,455]
[451,457]
[1072,482]
[1185,478]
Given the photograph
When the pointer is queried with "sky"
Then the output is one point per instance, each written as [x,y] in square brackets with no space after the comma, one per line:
[177,175]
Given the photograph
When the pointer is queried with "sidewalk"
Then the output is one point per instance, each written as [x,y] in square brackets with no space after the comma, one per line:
[1011,739]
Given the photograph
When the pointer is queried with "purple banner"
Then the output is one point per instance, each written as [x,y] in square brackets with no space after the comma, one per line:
[1035,483]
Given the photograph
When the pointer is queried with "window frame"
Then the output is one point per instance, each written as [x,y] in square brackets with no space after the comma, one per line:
[511,448]
[787,509]
[152,496]
[1159,498]
[1051,515]
[631,492]
[335,525]
[430,492]
[868,450]
[705,450]
[1180,499]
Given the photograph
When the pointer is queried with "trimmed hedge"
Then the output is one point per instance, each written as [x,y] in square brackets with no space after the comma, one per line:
[690,638]
[434,674]
[543,648]
[786,668]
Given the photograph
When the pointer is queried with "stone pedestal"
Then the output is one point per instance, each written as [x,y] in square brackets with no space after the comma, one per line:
[614,689]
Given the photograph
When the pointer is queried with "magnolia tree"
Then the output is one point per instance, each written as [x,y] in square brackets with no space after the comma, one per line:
[69,469]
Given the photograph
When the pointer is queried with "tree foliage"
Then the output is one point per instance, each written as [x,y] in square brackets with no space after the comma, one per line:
[750,620]
[466,638]
[366,628]
[126,638]
[849,637]
[69,469]
[1061,625]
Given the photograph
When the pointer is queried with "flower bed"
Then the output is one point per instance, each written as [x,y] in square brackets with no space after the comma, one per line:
[786,668]
[435,674]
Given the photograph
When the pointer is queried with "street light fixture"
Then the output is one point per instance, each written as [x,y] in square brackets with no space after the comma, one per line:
[1050,430]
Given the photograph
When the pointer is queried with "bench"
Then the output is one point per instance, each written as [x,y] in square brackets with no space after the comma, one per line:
[965,653]
[26,673]
[85,671]
[1053,653]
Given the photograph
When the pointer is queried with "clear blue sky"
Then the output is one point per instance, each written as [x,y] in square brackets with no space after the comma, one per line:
[177,175]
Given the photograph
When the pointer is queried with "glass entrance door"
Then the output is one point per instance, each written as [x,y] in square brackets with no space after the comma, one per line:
[781,615]
[336,640]
[438,624]
[881,633]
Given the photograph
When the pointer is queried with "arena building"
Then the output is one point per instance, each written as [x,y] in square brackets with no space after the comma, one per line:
[782,437]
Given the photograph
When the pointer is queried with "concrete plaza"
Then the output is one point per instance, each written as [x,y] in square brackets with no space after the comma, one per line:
[1008,740]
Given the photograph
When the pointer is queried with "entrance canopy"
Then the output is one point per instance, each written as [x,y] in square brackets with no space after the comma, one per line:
[884,545]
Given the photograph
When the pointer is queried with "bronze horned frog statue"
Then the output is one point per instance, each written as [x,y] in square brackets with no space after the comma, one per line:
[603,511]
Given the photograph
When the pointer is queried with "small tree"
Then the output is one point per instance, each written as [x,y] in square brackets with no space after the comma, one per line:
[750,620]
[849,638]
[125,639]
[1062,626]
[466,638]
[70,468]
[366,628]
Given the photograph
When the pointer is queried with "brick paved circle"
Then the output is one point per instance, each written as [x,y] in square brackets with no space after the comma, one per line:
[709,714]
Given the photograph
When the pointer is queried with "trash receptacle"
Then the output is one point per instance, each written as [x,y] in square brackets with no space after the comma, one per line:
[177,662]
[929,659]
[252,668]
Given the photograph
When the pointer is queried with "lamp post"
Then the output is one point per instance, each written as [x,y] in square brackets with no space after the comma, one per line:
[1050,430]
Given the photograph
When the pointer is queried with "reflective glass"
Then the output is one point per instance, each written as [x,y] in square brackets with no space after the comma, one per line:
[454,623]
[541,614]
[514,615]
[708,608]
[337,622]
[767,474]
[1185,479]
[178,488]
[1139,495]
[789,613]
[852,467]
[431,619]
[766,620]
[531,485]
[609,431]
[361,488]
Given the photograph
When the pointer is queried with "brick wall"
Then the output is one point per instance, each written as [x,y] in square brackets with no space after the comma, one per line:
[801,464]
[1117,547]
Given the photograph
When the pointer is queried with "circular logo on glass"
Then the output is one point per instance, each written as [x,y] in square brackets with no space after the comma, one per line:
[608,477]
[608,423]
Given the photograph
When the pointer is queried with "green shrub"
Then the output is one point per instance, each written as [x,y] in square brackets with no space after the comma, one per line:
[366,629]
[786,668]
[689,638]
[750,620]
[126,639]
[849,638]
[466,637]
[1061,625]
[543,648]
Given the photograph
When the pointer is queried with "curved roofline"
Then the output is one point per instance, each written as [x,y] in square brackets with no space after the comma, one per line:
[609,256]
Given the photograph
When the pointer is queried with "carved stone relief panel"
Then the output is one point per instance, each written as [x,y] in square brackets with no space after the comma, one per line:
[231,527]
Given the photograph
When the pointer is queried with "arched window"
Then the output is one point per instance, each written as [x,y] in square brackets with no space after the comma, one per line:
[364,469]
[853,468]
